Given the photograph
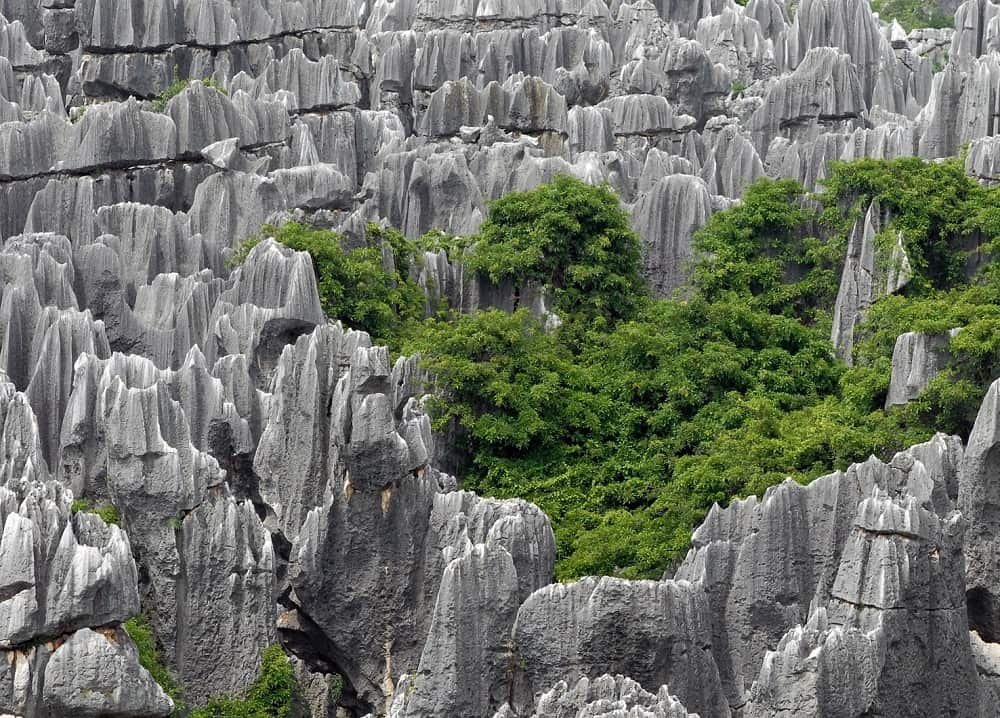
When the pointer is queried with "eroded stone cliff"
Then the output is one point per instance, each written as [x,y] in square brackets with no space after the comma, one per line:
[278,479]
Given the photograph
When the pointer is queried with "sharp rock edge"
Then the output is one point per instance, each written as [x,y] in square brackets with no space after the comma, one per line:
[277,477]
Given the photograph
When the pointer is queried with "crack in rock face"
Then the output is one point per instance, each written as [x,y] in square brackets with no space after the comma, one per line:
[276,476]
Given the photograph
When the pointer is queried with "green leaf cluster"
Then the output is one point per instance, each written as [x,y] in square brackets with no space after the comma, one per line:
[570,236]
[149,658]
[913,14]
[365,287]
[592,421]
[626,431]
[632,417]
[941,213]
[932,204]
[272,695]
[108,512]
[178,86]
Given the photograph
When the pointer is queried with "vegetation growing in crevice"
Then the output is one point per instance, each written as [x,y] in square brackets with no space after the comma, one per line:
[178,86]
[630,419]
[272,695]
[357,286]
[141,633]
[108,512]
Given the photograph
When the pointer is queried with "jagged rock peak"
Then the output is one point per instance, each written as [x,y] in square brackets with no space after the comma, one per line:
[604,697]
[63,573]
[274,473]
[567,631]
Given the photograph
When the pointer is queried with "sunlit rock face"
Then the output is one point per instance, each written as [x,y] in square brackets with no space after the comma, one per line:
[277,477]
[69,581]
[419,113]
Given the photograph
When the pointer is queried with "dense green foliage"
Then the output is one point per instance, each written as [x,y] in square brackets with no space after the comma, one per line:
[630,419]
[272,695]
[573,238]
[913,14]
[149,658]
[358,286]
[108,512]
[591,421]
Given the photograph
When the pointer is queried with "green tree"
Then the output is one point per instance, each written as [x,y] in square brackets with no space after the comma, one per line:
[625,433]
[913,14]
[357,286]
[570,236]
[761,251]
[627,422]
[591,420]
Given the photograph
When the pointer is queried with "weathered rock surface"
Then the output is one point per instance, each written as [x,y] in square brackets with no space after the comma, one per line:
[870,272]
[978,500]
[278,480]
[568,79]
[604,697]
[667,215]
[62,574]
[841,583]
[916,359]
[97,673]
[657,632]
[897,603]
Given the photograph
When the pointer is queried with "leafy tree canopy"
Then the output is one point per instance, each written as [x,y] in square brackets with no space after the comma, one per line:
[913,14]
[630,419]
[570,236]
[362,287]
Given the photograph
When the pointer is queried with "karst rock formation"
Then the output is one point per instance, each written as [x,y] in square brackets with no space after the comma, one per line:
[277,476]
